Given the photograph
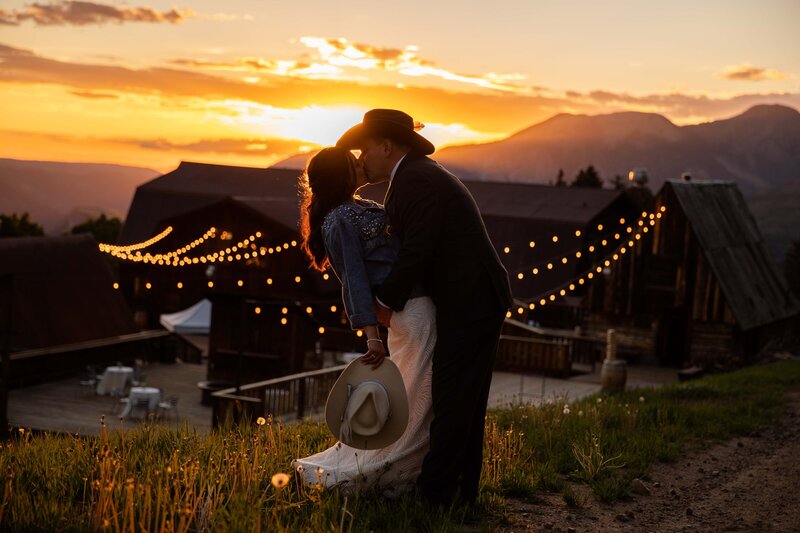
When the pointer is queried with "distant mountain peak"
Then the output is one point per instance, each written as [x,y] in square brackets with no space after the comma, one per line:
[620,124]
[770,111]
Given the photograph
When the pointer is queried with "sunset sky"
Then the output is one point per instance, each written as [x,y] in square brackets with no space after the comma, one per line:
[251,82]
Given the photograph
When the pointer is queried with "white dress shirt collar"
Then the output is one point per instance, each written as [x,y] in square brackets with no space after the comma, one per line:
[396,165]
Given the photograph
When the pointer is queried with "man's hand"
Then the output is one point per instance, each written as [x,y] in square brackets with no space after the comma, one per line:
[383,313]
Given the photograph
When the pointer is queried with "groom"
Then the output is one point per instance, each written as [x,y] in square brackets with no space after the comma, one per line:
[445,248]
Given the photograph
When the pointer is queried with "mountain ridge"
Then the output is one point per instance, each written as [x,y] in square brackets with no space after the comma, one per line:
[759,149]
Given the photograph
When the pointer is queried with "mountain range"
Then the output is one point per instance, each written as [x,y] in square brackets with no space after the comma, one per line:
[759,149]
[61,195]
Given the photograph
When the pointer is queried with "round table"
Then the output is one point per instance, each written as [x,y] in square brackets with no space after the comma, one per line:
[138,395]
[114,378]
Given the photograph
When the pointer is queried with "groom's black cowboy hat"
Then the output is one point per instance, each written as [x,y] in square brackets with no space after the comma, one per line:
[388,123]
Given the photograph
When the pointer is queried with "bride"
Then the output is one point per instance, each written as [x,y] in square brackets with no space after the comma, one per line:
[353,236]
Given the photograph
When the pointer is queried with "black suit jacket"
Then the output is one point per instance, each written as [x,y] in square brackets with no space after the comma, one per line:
[444,245]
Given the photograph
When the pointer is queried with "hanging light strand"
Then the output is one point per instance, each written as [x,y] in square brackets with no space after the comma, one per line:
[209,234]
[576,253]
[109,248]
[561,290]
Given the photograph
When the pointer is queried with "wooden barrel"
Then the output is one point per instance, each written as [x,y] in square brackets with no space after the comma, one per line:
[613,375]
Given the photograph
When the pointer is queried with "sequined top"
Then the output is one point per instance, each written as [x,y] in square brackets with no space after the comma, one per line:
[362,249]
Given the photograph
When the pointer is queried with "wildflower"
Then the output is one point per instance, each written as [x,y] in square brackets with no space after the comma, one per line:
[580,413]
[599,400]
[566,410]
[641,399]
[21,431]
[280,480]
[261,421]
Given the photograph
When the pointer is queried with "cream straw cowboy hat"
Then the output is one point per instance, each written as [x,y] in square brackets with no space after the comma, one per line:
[366,408]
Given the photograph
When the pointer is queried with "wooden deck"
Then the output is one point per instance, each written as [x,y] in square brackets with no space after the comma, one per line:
[62,406]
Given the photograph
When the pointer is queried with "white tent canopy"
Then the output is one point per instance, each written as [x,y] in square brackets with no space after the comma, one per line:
[195,320]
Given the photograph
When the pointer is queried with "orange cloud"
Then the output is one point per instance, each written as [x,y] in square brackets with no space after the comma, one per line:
[155,152]
[750,73]
[77,13]
[297,69]
[93,95]
[343,53]
[481,112]
[250,146]
[343,60]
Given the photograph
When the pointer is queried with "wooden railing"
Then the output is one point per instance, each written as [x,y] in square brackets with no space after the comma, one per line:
[288,398]
[547,350]
[299,395]
[531,354]
[39,365]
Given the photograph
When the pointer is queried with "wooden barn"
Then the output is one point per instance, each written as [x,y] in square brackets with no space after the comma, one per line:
[546,235]
[59,311]
[701,289]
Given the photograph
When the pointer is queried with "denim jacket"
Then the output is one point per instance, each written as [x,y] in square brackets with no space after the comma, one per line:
[362,250]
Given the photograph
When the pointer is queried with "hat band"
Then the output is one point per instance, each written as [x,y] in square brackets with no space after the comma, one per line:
[346,430]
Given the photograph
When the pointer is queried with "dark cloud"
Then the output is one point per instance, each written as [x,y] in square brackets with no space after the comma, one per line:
[78,13]
[750,73]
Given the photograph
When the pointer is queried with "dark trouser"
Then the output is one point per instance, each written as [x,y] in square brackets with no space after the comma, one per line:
[462,373]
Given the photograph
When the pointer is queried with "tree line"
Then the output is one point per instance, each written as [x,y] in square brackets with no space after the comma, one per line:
[104,229]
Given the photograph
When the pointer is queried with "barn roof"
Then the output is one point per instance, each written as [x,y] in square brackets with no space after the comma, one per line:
[541,202]
[731,242]
[193,186]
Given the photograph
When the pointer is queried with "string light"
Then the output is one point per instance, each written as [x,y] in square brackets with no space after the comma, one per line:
[245,249]
[570,286]
[603,242]
[108,248]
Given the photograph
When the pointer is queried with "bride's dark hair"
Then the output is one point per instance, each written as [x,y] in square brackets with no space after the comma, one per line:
[328,181]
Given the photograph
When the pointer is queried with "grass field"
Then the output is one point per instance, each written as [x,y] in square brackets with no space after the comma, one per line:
[157,479]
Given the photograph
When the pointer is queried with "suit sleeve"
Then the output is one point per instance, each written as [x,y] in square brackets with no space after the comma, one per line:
[418,210]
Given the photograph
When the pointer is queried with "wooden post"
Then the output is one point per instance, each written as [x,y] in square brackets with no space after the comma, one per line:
[301,398]
[6,290]
[611,345]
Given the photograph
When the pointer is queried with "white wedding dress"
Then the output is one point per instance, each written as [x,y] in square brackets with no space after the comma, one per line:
[392,470]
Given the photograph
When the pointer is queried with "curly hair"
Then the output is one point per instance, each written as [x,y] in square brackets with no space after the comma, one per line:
[328,181]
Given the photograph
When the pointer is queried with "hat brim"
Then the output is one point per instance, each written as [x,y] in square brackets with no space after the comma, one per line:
[355,136]
[389,376]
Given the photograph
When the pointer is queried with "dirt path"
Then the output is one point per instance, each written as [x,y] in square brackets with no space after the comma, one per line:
[748,484]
